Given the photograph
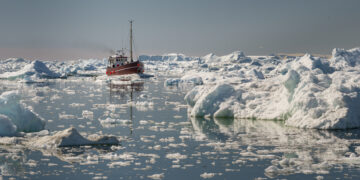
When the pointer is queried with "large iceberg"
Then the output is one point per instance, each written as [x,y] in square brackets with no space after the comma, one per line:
[307,92]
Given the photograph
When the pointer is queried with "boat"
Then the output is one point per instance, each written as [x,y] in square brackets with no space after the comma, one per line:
[120,64]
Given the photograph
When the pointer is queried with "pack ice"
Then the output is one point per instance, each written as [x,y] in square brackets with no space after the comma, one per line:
[39,71]
[305,92]
[34,71]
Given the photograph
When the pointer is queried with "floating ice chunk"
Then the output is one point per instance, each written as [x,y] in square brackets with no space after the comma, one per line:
[143,105]
[272,170]
[109,122]
[187,79]
[168,139]
[21,116]
[175,156]
[119,163]
[206,175]
[7,128]
[156,176]
[88,114]
[71,137]
[208,100]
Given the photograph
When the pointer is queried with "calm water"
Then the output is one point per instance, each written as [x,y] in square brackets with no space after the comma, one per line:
[159,140]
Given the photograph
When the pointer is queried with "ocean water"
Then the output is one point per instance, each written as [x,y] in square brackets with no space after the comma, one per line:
[160,141]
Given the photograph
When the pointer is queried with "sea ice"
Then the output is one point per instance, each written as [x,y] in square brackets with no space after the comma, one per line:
[21,116]
[33,72]
[307,92]
[187,79]
[71,137]
[7,128]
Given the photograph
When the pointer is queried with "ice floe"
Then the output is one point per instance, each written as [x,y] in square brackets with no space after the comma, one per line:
[68,137]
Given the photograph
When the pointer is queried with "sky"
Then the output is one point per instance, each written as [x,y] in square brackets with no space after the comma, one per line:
[75,29]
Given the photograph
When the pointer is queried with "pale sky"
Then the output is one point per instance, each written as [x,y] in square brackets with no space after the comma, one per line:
[73,29]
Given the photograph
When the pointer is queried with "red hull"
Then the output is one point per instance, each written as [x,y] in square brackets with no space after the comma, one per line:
[132,68]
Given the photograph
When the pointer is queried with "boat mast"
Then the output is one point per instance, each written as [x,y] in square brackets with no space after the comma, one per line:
[131,41]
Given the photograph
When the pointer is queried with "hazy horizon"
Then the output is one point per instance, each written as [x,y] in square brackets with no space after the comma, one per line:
[52,30]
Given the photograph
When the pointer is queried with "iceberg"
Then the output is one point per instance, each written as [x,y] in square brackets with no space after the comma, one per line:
[166,57]
[16,116]
[33,72]
[306,92]
[7,128]
[187,79]
[342,59]
[71,137]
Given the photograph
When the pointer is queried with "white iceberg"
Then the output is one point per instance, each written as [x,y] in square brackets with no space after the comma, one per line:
[342,59]
[185,80]
[71,137]
[7,128]
[22,117]
[307,92]
[33,72]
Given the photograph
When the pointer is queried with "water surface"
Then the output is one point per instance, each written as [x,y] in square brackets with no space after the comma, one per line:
[160,141]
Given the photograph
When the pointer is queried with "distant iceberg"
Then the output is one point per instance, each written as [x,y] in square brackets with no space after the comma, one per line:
[185,80]
[33,72]
[167,57]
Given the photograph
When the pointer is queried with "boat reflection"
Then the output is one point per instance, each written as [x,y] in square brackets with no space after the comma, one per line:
[125,89]
[124,93]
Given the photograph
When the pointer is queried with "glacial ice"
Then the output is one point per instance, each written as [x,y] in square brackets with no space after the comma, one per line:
[71,137]
[307,92]
[22,117]
[32,72]
[185,80]
[40,71]
[7,128]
